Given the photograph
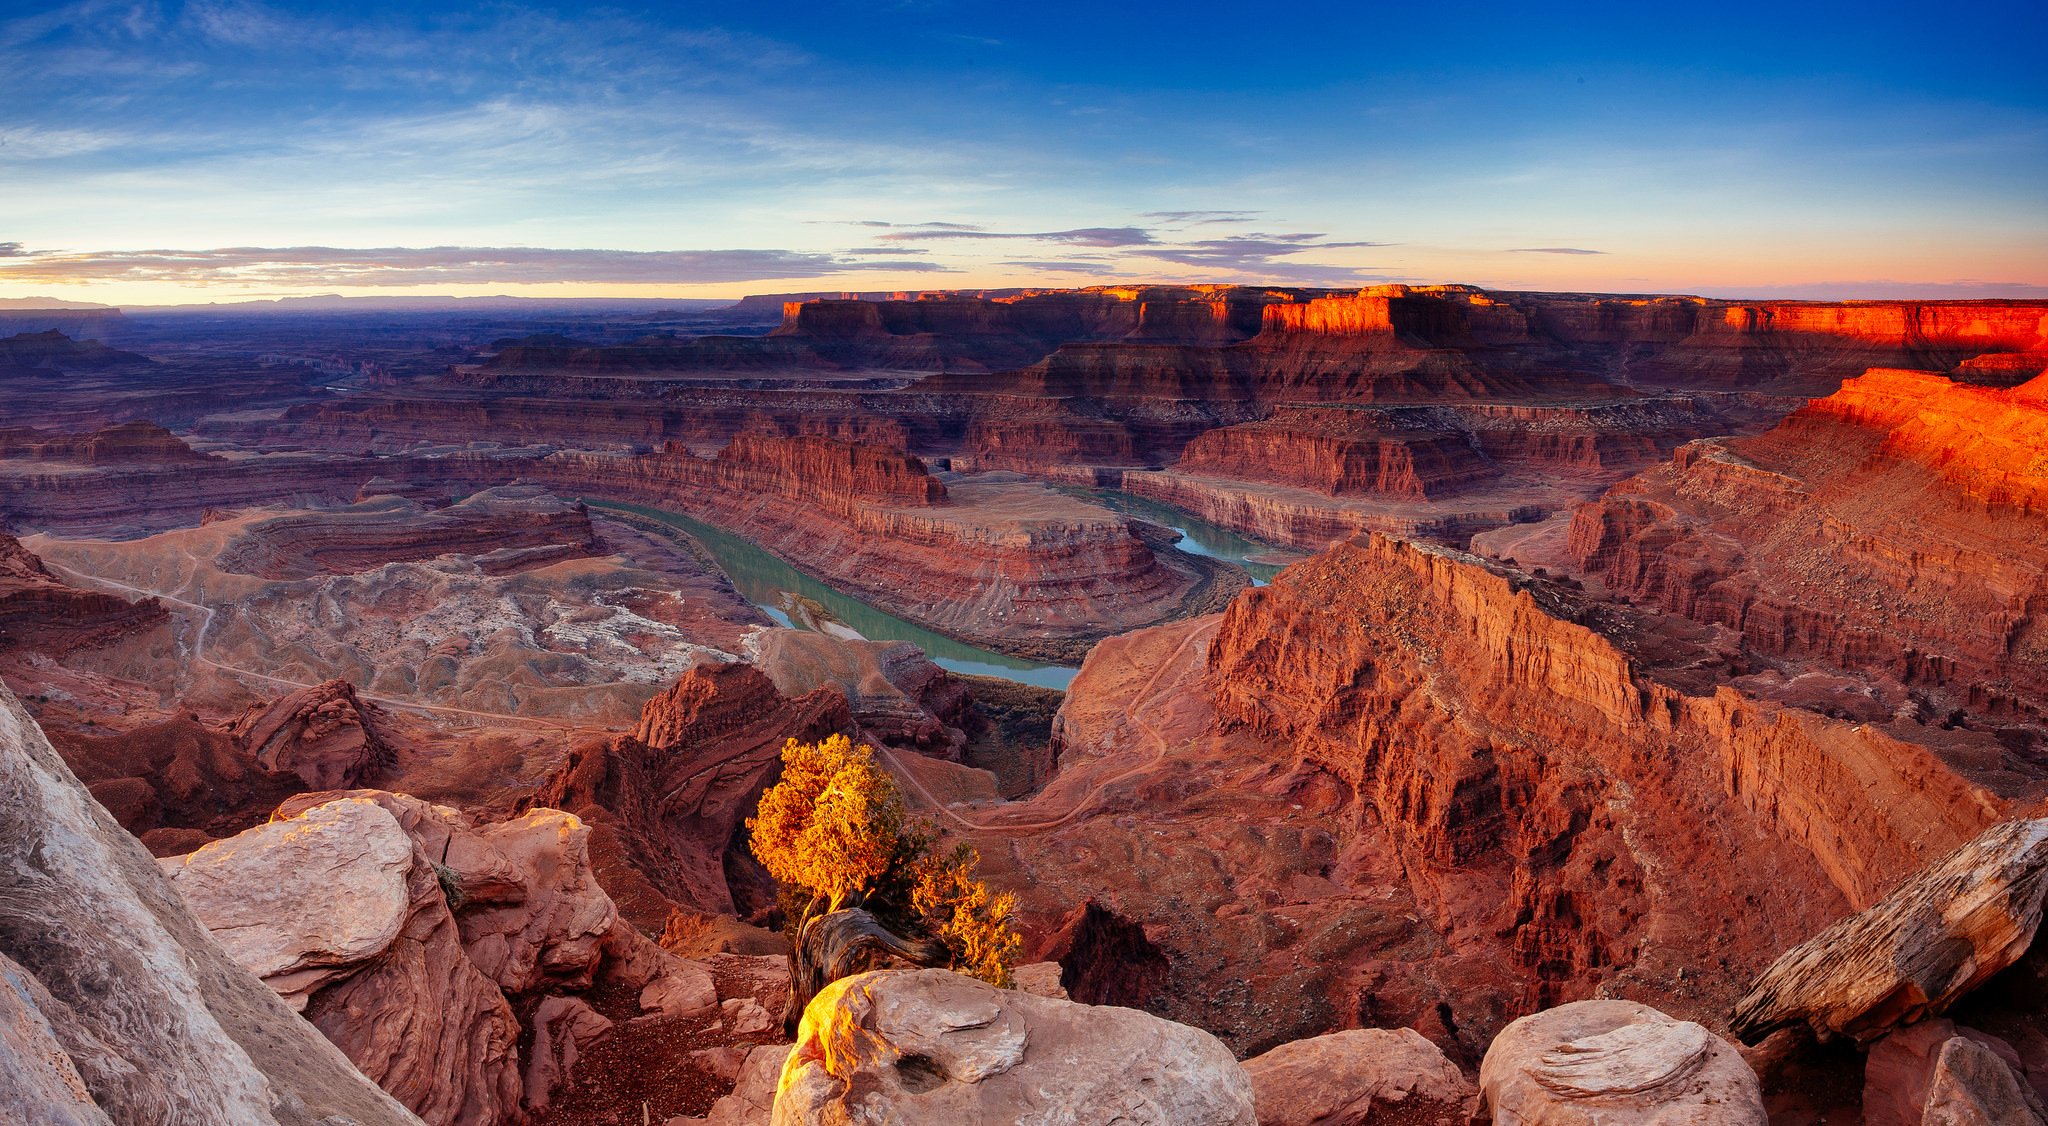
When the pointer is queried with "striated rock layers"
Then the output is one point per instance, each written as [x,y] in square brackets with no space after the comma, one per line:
[39,611]
[1596,1062]
[505,528]
[664,803]
[1552,803]
[1897,529]
[1938,937]
[934,1046]
[1012,564]
[324,734]
[436,950]
[123,1007]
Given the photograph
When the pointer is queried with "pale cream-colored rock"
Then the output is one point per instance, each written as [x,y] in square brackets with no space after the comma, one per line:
[744,1016]
[1040,979]
[155,1018]
[1357,1077]
[683,990]
[1920,949]
[1615,1063]
[1971,1086]
[752,1102]
[562,1028]
[36,1073]
[926,1046]
[301,903]
[1972,1071]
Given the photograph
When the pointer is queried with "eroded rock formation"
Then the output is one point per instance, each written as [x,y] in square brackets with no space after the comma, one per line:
[664,804]
[150,1020]
[1933,940]
[931,1045]
[1895,530]
[1593,1062]
[1359,1077]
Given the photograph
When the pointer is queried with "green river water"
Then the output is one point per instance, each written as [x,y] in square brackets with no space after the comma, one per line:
[776,587]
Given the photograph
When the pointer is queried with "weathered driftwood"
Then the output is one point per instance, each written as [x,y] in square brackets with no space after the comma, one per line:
[844,943]
[1936,938]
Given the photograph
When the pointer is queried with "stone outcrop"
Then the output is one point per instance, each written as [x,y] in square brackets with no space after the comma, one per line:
[1933,940]
[139,442]
[897,695]
[325,734]
[39,611]
[168,780]
[1594,1062]
[298,934]
[1897,530]
[933,1046]
[459,962]
[151,1021]
[341,911]
[1359,1077]
[505,528]
[663,805]
[1530,773]
[1935,1071]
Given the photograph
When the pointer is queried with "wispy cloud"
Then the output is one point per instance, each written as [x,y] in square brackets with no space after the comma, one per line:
[1248,252]
[12,250]
[323,266]
[1200,218]
[1082,236]
[1553,250]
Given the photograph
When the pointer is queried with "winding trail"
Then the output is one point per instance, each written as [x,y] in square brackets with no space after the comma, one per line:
[205,615]
[1145,699]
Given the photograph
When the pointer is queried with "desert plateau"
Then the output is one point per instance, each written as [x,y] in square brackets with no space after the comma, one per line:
[1015,659]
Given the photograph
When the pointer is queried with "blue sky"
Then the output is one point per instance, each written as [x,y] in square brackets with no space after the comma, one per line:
[219,150]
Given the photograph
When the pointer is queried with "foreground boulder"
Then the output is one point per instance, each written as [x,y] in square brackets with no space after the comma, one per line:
[1935,1071]
[1615,1063]
[1939,936]
[116,1005]
[925,1046]
[341,912]
[1359,1077]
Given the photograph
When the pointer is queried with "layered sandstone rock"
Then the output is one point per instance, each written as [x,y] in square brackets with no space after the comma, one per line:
[1933,940]
[1334,454]
[129,443]
[1009,564]
[325,734]
[150,1020]
[663,805]
[1596,1062]
[931,1045]
[341,911]
[897,695]
[505,528]
[39,611]
[1358,1078]
[169,780]
[1896,530]
[1530,773]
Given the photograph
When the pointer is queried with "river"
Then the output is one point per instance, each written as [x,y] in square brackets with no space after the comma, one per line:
[798,601]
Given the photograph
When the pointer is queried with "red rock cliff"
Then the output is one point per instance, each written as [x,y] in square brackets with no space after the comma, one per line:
[1549,799]
[1898,528]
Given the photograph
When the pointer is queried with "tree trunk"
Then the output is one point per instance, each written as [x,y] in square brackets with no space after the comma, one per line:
[841,944]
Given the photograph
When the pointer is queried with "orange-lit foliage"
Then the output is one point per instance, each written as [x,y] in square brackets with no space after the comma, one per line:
[977,925]
[835,833]
[832,824]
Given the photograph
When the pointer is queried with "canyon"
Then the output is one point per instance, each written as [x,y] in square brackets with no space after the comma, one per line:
[1622,645]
